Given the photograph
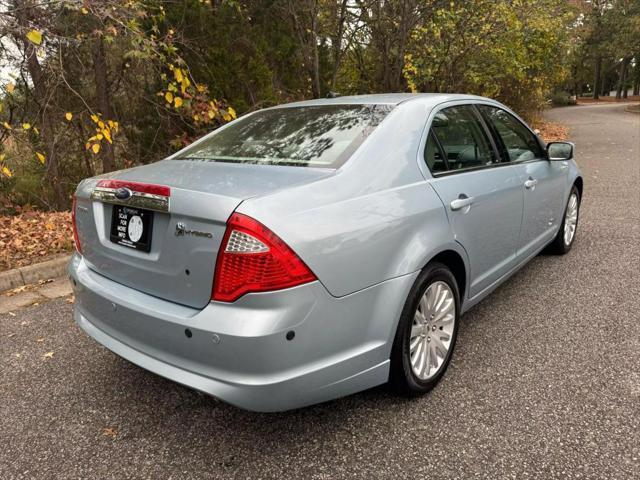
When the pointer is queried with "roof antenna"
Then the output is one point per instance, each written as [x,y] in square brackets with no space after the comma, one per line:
[333,94]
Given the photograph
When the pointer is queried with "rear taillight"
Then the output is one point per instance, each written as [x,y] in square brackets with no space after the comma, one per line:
[254,259]
[76,239]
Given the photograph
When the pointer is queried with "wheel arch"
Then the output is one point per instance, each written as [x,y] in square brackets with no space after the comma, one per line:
[579,184]
[456,263]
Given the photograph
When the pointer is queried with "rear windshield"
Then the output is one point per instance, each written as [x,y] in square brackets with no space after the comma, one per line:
[318,136]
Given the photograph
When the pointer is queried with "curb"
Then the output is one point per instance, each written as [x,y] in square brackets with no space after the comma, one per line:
[33,273]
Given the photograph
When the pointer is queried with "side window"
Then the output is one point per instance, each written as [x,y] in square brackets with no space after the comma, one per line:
[433,156]
[463,138]
[520,144]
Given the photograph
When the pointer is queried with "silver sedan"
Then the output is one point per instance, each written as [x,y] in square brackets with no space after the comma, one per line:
[312,250]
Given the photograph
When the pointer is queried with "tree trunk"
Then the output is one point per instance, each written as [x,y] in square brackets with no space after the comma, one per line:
[103,96]
[596,80]
[315,56]
[622,78]
[337,43]
[24,14]
[625,75]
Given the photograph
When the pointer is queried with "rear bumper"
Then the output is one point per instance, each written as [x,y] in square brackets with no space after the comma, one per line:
[239,352]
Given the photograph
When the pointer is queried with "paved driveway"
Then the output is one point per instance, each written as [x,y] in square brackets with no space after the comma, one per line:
[545,382]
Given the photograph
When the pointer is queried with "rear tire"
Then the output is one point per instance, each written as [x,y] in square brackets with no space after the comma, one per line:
[563,241]
[427,331]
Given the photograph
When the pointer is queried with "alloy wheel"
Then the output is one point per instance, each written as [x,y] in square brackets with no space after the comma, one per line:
[571,219]
[432,330]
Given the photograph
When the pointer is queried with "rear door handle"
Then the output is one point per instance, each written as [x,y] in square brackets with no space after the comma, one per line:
[532,182]
[461,202]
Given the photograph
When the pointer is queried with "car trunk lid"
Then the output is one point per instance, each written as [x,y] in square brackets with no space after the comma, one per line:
[190,203]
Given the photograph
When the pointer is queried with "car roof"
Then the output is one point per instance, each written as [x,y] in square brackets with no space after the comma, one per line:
[384,99]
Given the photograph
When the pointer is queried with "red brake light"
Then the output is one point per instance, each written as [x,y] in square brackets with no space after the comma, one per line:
[76,239]
[136,187]
[254,259]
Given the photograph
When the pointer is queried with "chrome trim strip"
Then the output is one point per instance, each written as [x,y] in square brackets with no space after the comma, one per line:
[148,201]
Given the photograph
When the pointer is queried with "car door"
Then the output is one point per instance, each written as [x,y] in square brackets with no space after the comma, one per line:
[482,196]
[542,181]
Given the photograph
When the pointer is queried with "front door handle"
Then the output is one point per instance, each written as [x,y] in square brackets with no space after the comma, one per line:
[461,202]
[532,182]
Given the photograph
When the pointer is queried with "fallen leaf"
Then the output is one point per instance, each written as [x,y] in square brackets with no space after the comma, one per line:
[109,432]
[41,157]
[35,37]
[26,126]
[71,299]
[68,116]
[40,339]
[48,355]
[10,88]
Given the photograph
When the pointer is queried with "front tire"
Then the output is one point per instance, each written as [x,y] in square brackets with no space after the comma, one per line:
[563,241]
[427,332]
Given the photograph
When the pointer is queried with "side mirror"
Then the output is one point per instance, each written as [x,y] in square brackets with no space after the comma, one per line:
[558,151]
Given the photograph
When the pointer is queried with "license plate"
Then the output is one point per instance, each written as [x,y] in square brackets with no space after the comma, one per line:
[131,227]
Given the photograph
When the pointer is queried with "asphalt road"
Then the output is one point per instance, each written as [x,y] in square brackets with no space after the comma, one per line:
[545,381]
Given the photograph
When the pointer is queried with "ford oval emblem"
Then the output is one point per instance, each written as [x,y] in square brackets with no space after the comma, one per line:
[123,194]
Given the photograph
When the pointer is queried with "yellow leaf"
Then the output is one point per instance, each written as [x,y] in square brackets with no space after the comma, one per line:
[115,126]
[168,97]
[185,84]
[232,112]
[201,88]
[87,146]
[177,102]
[1,107]
[35,37]
[41,157]
[7,172]
[99,137]
[101,124]
[2,155]
[35,129]
[84,11]
[211,114]
[107,135]
[26,126]
[68,116]
[10,88]
[95,118]
[178,74]
[6,125]
[95,148]
[111,124]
